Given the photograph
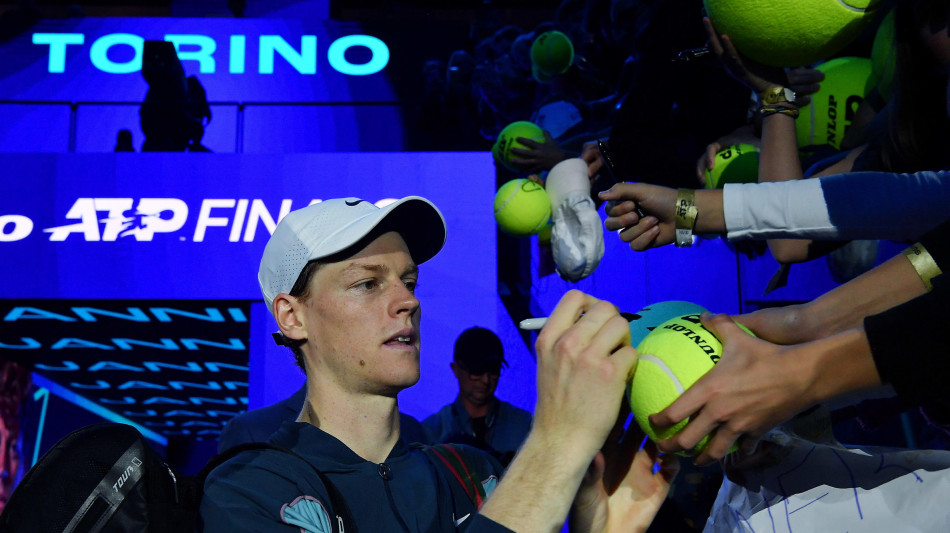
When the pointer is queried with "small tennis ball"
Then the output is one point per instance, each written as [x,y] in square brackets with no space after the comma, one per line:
[552,52]
[507,139]
[647,319]
[734,164]
[522,207]
[790,34]
[671,359]
[826,119]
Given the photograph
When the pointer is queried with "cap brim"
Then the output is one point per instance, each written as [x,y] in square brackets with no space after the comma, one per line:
[419,222]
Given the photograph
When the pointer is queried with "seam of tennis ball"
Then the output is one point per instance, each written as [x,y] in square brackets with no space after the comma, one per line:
[666,370]
[510,197]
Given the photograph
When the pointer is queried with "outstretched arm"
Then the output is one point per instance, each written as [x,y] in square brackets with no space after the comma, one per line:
[803,355]
[859,205]
[656,228]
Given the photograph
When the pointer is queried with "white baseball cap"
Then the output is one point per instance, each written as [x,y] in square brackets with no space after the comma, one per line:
[329,227]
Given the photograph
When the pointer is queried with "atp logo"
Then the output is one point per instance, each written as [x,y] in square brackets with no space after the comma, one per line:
[124,218]
[130,219]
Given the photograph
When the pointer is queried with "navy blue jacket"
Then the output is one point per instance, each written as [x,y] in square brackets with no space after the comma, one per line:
[257,425]
[268,490]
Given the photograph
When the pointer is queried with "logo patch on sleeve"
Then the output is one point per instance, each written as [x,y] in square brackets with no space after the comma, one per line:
[307,513]
[489,485]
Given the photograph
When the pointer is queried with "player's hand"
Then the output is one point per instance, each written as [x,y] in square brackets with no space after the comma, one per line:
[755,386]
[584,362]
[656,228]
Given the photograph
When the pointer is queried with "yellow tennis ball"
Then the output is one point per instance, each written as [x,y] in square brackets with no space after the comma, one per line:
[790,34]
[671,359]
[522,207]
[738,163]
[507,139]
[552,53]
[826,119]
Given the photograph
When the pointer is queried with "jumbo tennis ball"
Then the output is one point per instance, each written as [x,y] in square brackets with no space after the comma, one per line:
[826,119]
[647,319]
[522,207]
[552,52]
[734,164]
[790,34]
[507,139]
[671,359]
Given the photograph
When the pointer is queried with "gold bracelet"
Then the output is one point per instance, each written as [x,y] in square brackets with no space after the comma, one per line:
[767,110]
[685,216]
[923,263]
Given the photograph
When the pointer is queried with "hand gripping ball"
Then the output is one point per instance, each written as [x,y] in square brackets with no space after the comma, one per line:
[508,139]
[671,359]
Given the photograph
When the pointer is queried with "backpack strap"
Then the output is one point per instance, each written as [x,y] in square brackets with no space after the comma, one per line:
[448,457]
[109,494]
[344,518]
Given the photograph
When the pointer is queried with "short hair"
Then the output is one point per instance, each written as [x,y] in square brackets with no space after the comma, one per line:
[301,291]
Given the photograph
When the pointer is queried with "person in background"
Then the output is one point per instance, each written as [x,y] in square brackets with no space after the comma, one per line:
[477,417]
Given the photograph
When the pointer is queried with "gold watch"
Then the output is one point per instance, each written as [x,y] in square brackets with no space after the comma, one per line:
[776,94]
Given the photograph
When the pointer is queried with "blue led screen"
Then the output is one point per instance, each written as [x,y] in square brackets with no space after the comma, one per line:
[243,60]
[193,226]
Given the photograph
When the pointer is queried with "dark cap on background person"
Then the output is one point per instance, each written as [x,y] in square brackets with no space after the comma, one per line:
[479,350]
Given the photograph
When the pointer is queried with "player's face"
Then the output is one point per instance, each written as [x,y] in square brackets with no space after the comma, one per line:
[362,319]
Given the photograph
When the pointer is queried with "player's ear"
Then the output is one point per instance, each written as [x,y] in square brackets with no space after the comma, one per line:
[288,311]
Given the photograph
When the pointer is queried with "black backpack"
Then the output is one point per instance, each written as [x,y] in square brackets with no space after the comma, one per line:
[102,478]
[105,478]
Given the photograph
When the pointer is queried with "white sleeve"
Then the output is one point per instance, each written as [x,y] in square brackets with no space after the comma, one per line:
[857,205]
[776,209]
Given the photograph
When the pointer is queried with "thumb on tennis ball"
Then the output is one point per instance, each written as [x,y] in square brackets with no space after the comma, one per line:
[719,325]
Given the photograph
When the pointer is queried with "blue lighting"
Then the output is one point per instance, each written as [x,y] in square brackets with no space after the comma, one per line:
[88,405]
